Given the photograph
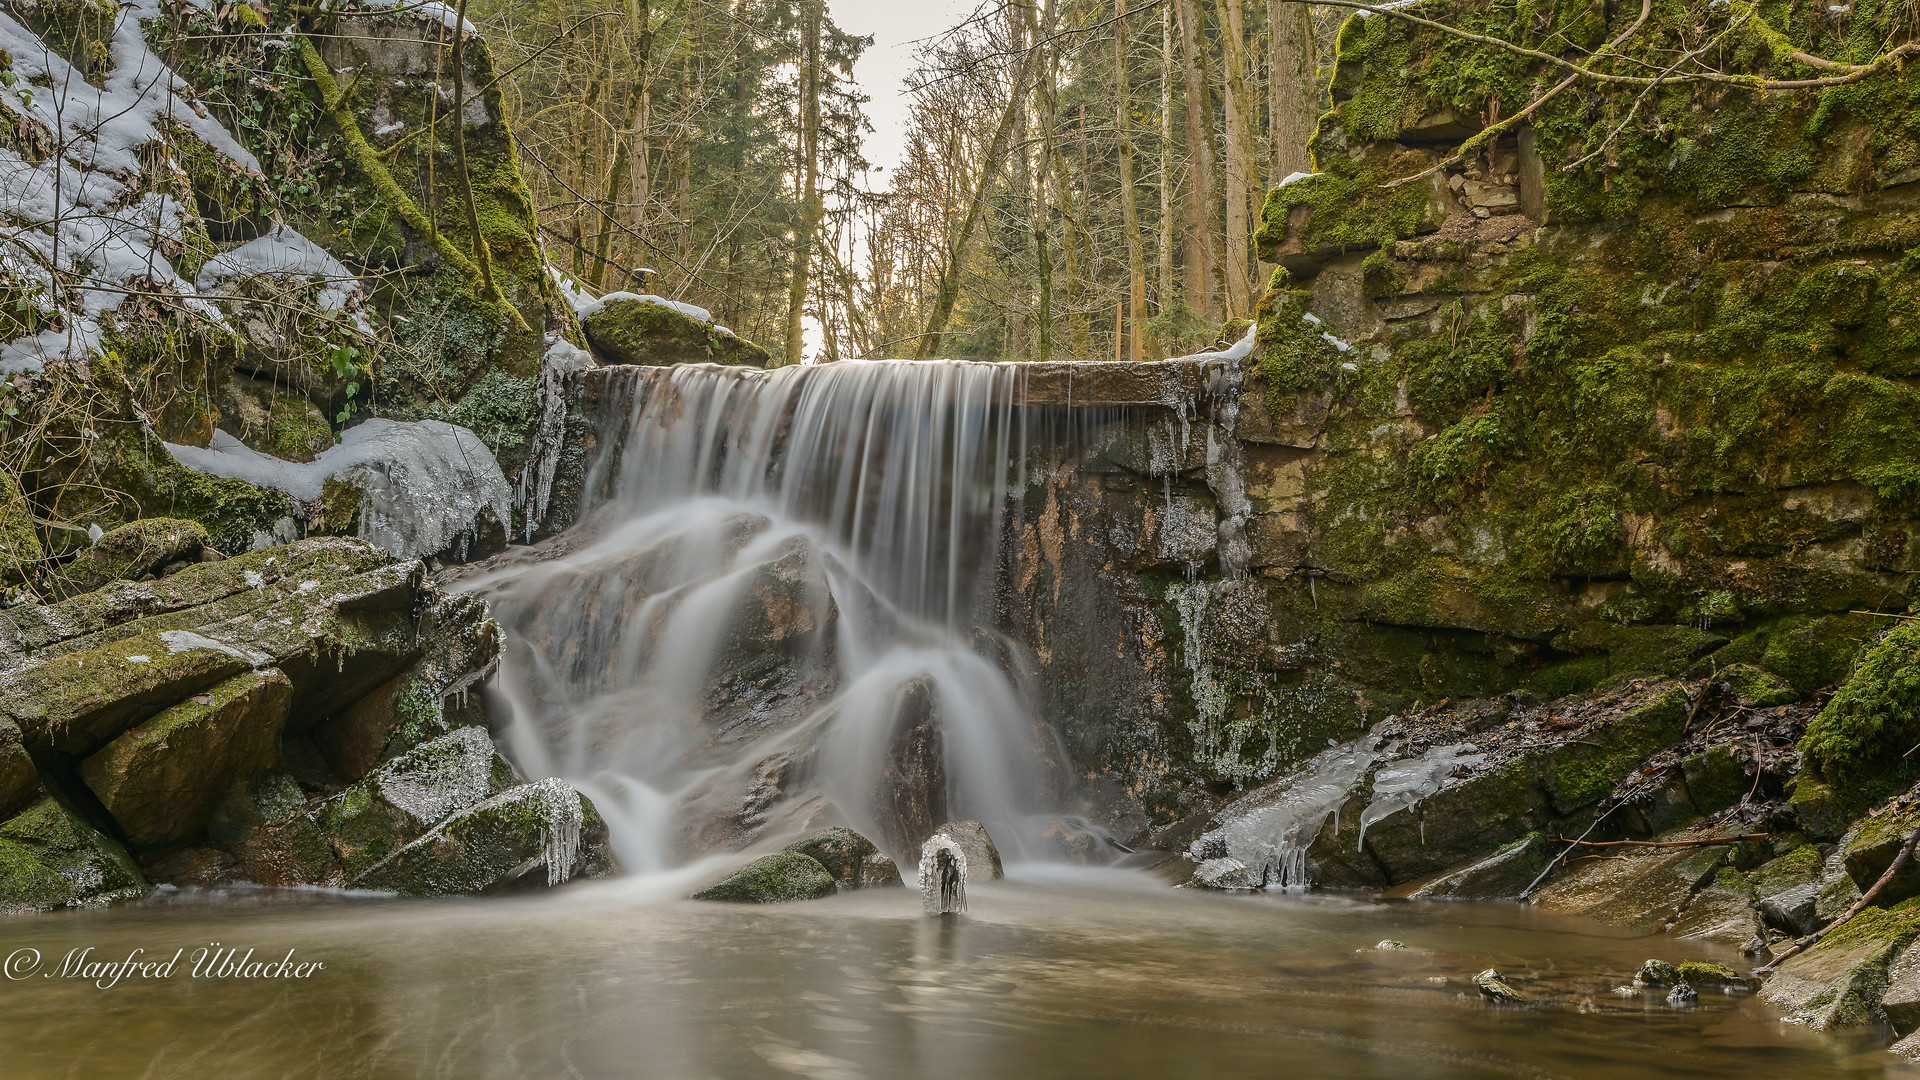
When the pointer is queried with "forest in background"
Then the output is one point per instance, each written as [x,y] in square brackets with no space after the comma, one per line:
[1081,179]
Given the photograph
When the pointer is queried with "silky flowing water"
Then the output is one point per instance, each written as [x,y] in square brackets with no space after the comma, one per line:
[1061,974]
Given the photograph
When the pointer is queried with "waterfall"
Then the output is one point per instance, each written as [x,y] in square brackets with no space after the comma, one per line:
[771,613]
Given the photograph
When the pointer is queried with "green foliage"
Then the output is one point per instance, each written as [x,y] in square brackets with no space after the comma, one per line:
[1863,736]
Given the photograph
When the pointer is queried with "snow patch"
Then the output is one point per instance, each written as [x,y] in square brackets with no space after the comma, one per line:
[1239,350]
[281,251]
[423,482]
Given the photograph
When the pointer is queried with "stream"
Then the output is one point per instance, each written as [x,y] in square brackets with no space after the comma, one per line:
[1054,973]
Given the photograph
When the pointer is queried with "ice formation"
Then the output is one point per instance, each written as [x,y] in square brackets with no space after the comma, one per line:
[1403,784]
[82,210]
[1270,840]
[943,877]
[564,819]
[534,488]
[423,482]
[448,17]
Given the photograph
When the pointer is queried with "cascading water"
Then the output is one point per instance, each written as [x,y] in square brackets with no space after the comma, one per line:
[770,617]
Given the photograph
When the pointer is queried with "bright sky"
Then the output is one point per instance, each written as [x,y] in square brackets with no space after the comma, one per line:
[896,27]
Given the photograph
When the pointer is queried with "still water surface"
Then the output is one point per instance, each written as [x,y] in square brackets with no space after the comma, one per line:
[1082,975]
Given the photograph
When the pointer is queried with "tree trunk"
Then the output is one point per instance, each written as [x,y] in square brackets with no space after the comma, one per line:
[1032,185]
[1129,208]
[1241,173]
[629,133]
[1203,188]
[809,176]
[1166,158]
[1293,93]
[947,289]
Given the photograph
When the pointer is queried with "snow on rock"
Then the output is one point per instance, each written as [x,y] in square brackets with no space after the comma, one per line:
[447,17]
[691,311]
[281,251]
[1239,350]
[80,212]
[423,483]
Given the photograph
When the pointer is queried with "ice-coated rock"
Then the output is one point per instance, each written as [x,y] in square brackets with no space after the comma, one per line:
[983,858]
[403,799]
[545,832]
[423,483]
[943,876]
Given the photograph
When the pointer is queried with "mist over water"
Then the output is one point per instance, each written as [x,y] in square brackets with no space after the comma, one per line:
[778,578]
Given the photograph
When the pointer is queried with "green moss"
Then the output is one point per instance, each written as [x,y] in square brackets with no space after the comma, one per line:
[1701,973]
[1863,737]
[1584,771]
[51,859]
[631,332]
[773,879]
[20,550]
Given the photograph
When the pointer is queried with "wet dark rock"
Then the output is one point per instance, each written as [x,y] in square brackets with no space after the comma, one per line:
[1504,874]
[1682,996]
[19,780]
[910,792]
[773,879]
[983,858]
[851,858]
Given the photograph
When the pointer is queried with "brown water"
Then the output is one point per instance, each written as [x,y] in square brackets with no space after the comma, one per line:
[1091,974]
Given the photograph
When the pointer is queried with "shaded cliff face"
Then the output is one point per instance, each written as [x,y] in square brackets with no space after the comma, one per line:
[1546,427]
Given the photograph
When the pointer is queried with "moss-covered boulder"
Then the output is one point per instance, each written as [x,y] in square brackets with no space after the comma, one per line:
[263,823]
[49,858]
[138,550]
[163,779]
[535,835]
[1863,739]
[628,329]
[773,879]
[1502,875]
[403,799]
[269,419]
[851,858]
[1838,983]
[1873,849]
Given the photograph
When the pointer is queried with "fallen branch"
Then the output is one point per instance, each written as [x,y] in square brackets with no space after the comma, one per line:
[1808,942]
[1709,841]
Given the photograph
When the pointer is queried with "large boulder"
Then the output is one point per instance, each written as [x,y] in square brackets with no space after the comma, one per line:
[851,858]
[402,800]
[50,858]
[773,879]
[543,833]
[163,779]
[630,329]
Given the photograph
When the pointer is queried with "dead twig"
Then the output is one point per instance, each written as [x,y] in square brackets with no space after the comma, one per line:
[1708,841]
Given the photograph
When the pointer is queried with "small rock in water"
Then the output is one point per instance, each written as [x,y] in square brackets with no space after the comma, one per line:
[851,858]
[1438,980]
[1495,987]
[1626,991]
[1698,973]
[1657,973]
[1682,996]
[1391,944]
[773,879]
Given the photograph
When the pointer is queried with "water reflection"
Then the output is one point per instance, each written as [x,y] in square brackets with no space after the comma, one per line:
[1072,976]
